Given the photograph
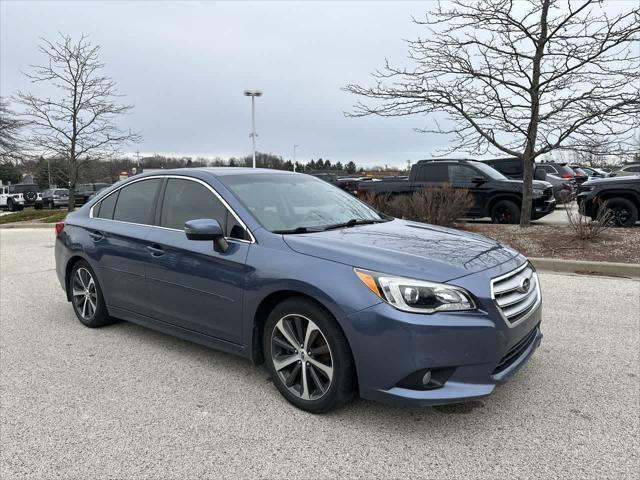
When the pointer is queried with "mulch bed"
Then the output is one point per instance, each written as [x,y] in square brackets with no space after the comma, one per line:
[620,245]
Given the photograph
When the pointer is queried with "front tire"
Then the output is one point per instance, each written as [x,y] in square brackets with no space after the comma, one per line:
[308,356]
[506,212]
[86,296]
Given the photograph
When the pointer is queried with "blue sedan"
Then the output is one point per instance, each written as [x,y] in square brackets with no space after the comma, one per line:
[285,269]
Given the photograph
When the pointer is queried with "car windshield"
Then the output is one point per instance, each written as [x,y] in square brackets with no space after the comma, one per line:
[489,171]
[285,202]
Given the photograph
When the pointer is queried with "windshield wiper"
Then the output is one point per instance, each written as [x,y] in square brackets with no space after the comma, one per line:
[353,222]
[298,230]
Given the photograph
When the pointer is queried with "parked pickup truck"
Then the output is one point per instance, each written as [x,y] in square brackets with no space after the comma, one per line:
[495,195]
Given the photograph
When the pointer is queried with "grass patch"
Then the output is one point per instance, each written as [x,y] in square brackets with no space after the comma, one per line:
[31,215]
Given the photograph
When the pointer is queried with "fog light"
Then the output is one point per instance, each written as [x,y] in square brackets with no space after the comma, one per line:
[426,378]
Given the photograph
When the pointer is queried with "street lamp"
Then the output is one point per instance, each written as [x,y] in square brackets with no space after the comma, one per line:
[253,94]
[294,157]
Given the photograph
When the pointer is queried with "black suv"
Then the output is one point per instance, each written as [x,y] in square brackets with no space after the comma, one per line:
[495,195]
[512,167]
[619,194]
[84,191]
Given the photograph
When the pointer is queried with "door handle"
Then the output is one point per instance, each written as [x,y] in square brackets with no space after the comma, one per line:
[96,236]
[155,250]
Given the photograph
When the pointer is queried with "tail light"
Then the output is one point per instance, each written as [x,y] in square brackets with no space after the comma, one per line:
[59,228]
[566,185]
[568,175]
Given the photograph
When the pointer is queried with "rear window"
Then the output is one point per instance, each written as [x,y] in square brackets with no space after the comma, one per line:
[564,170]
[511,168]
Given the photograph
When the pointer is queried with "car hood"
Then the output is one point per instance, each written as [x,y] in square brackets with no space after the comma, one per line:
[613,180]
[537,184]
[405,248]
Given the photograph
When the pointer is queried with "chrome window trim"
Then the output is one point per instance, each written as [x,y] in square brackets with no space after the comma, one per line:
[511,274]
[181,177]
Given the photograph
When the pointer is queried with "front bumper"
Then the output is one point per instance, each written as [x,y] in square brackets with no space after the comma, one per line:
[388,345]
[586,204]
[542,207]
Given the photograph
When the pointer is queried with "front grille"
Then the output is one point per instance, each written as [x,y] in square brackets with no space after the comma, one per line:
[514,352]
[516,293]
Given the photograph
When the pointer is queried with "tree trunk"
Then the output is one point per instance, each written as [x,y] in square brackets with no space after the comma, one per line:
[529,156]
[73,178]
[527,189]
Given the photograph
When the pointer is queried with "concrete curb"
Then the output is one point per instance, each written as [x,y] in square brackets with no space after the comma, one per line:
[631,270]
[28,225]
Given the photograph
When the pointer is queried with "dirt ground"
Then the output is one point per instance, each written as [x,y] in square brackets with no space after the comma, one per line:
[554,241]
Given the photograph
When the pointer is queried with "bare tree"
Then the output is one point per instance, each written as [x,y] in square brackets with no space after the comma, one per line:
[519,77]
[10,127]
[80,125]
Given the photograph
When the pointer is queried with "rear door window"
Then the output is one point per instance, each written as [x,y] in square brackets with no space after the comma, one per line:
[433,172]
[135,202]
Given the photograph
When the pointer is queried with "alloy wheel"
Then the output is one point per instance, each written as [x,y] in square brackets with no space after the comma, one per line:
[621,216]
[301,356]
[504,215]
[85,296]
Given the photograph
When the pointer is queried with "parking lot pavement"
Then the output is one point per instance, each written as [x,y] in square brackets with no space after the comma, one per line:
[125,402]
[557,217]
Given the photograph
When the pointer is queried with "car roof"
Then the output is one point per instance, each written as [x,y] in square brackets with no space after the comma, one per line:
[214,172]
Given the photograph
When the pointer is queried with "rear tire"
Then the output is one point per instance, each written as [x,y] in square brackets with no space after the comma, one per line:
[625,213]
[506,212]
[86,296]
[308,356]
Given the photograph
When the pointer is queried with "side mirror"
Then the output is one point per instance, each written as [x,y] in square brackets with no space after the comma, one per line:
[207,229]
[478,180]
[540,174]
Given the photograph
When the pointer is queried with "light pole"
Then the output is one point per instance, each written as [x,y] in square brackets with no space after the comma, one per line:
[253,94]
[294,157]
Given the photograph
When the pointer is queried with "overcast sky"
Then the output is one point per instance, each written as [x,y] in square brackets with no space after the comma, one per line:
[185,65]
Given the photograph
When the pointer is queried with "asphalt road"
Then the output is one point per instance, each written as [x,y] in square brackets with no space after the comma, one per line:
[125,402]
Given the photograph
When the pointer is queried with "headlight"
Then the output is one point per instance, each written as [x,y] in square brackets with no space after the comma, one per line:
[586,188]
[417,296]
[537,193]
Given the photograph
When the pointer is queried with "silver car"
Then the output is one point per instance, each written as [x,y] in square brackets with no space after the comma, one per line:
[55,198]
[627,170]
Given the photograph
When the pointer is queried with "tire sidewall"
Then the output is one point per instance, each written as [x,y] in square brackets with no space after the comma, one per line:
[341,389]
